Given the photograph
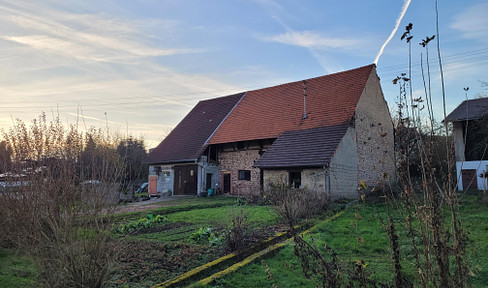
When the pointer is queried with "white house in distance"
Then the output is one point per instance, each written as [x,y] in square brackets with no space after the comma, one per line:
[470,129]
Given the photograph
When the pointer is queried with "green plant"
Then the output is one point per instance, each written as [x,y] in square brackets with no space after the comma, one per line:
[146,222]
[140,195]
[241,201]
[204,235]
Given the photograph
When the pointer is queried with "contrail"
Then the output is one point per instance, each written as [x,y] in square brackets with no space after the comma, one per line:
[399,19]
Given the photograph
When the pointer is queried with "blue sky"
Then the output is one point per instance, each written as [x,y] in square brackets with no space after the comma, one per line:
[140,66]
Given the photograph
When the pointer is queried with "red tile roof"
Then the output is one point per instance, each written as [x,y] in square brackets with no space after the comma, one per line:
[303,148]
[187,140]
[266,113]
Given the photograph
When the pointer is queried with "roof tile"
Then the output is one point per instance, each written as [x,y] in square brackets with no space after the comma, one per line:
[303,148]
[469,109]
[187,140]
[266,113]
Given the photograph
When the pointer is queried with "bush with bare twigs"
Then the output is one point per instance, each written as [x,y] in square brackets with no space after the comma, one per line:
[57,196]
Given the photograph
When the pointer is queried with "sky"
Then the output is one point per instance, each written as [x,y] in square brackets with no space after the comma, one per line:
[139,66]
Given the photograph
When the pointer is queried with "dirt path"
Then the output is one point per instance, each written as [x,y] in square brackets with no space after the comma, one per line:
[154,202]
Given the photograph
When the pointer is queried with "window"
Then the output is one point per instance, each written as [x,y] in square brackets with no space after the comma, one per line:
[245,175]
[295,179]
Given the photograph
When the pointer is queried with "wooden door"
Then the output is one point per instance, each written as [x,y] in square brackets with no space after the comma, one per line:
[469,179]
[226,183]
[186,179]
[153,185]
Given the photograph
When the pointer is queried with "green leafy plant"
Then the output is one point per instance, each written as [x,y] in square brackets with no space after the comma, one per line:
[146,222]
[204,235]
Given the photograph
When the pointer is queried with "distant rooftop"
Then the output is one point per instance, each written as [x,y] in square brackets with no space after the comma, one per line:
[469,110]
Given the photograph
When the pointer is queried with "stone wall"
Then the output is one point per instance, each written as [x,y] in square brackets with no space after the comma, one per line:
[311,178]
[375,139]
[233,161]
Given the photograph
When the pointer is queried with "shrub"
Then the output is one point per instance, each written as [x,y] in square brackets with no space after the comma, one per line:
[294,205]
[237,230]
[61,225]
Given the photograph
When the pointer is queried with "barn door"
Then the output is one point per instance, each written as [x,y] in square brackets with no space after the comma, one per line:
[469,179]
[185,180]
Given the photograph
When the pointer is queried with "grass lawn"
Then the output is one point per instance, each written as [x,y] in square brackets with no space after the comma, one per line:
[154,254]
[284,268]
[15,271]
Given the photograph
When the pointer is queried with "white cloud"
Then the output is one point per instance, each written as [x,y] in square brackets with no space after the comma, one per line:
[88,37]
[473,22]
[59,62]
[310,39]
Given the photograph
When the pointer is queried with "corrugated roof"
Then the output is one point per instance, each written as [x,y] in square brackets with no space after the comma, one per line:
[303,148]
[266,113]
[469,109]
[187,140]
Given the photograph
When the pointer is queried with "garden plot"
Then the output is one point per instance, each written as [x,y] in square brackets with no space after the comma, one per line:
[153,253]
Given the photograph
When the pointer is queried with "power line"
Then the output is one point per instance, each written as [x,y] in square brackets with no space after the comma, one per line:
[141,102]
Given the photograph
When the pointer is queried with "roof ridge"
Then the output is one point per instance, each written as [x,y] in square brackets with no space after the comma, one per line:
[220,97]
[313,78]
[232,109]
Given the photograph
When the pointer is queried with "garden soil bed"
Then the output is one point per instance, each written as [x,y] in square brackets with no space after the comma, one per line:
[158,229]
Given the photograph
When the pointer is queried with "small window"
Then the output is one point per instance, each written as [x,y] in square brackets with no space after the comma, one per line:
[245,175]
[295,179]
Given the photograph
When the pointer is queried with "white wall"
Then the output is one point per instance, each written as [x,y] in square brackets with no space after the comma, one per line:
[343,168]
[165,180]
[478,165]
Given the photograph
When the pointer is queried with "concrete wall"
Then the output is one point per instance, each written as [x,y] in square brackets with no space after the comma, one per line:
[232,160]
[205,167]
[165,178]
[374,135]
[343,168]
[479,166]
[458,141]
